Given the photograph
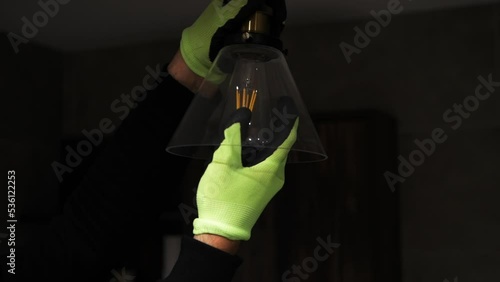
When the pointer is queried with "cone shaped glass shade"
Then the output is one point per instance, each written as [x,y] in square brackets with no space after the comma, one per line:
[255,77]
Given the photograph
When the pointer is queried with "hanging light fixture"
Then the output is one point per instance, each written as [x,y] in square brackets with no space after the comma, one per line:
[249,73]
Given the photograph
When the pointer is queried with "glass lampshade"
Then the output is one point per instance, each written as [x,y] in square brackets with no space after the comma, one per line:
[254,78]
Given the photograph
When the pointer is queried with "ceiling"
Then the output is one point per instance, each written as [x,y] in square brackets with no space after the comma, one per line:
[84,24]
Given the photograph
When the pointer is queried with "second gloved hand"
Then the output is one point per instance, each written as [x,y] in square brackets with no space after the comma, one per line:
[202,41]
[231,196]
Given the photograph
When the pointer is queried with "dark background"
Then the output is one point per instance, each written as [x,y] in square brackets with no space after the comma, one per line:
[443,221]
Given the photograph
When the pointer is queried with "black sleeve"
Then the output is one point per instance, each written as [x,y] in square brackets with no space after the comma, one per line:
[198,262]
[118,201]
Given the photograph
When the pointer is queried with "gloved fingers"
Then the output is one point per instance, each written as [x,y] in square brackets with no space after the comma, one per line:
[281,154]
[229,150]
[283,121]
[254,156]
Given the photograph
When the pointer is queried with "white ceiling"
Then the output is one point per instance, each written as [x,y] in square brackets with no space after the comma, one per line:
[83,24]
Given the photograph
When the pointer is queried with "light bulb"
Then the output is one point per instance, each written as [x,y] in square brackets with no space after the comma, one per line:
[249,74]
[246,98]
[253,77]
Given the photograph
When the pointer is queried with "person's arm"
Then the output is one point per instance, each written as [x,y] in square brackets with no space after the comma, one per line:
[180,71]
[219,242]
[211,258]
[120,198]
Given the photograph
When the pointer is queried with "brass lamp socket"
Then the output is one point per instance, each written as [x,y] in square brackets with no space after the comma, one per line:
[258,23]
[257,30]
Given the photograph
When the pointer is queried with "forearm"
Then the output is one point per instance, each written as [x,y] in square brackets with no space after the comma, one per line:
[178,69]
[200,262]
[132,180]
[219,242]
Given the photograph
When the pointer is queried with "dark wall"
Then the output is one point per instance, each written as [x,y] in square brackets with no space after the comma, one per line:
[30,128]
[417,68]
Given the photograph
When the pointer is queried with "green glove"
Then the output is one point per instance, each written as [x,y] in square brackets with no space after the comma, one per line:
[202,41]
[196,39]
[230,196]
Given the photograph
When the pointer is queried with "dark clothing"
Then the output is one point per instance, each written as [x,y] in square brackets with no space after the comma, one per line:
[194,264]
[120,199]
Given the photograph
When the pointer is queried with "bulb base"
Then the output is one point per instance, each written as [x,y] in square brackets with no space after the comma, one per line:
[258,23]
[257,30]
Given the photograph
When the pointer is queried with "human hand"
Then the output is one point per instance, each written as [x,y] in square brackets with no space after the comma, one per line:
[202,41]
[232,196]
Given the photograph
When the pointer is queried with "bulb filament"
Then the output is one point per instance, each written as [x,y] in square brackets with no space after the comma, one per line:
[245,98]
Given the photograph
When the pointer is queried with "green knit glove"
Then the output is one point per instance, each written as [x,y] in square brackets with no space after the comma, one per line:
[231,197]
[196,40]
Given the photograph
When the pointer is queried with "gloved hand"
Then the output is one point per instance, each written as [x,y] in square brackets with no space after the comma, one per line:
[231,196]
[202,41]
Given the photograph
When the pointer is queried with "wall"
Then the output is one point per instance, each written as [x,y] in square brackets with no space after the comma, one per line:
[417,68]
[94,79]
[30,87]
